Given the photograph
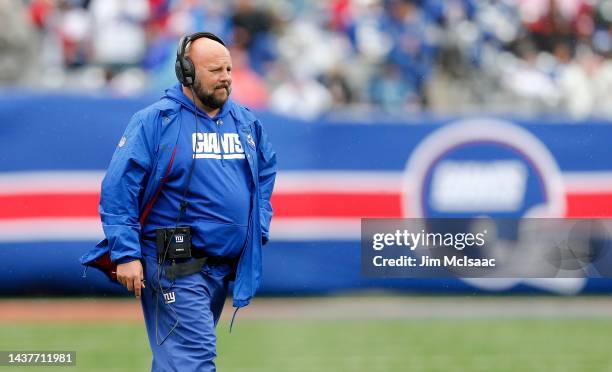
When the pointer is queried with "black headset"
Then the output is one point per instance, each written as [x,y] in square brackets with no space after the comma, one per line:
[184,68]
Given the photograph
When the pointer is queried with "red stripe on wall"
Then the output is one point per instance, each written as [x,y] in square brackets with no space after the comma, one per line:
[589,205]
[49,205]
[358,205]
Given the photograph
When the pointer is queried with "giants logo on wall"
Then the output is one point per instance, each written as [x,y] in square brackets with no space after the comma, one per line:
[483,167]
[486,168]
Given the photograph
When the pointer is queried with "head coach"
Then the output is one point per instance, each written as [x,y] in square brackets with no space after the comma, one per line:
[185,207]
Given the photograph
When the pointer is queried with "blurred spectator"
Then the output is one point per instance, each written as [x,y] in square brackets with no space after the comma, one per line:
[389,91]
[551,21]
[412,50]
[530,79]
[119,41]
[74,27]
[301,96]
[119,38]
[311,50]
[575,81]
[17,43]
[337,84]
[251,32]
[602,89]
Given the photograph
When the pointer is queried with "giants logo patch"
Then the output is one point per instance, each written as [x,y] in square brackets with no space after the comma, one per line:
[209,146]
[169,297]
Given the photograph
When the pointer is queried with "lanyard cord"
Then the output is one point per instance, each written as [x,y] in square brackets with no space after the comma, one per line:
[233,316]
[182,208]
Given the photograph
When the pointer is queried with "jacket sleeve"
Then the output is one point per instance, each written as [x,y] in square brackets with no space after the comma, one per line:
[122,189]
[267,174]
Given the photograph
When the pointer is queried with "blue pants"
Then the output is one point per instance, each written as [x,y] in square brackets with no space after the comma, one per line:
[181,318]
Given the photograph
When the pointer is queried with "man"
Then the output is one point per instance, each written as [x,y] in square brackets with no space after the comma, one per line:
[210,170]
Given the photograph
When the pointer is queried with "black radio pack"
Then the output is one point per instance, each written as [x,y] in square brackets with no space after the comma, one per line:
[173,242]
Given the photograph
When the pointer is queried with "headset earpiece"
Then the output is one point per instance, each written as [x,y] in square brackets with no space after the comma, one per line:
[184,67]
[185,71]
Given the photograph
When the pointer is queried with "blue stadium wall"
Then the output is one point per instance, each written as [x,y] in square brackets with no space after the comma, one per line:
[54,149]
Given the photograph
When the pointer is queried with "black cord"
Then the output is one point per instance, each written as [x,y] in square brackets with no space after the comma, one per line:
[182,208]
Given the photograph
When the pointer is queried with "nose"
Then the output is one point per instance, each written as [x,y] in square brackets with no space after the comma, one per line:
[226,76]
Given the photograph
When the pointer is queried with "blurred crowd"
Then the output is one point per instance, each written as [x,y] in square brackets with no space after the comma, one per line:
[309,57]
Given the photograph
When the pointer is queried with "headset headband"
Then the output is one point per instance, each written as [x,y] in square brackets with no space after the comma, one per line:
[185,40]
[184,68]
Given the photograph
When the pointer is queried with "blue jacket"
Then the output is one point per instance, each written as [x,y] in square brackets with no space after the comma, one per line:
[140,163]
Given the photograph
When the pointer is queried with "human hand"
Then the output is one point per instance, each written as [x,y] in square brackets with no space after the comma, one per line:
[130,274]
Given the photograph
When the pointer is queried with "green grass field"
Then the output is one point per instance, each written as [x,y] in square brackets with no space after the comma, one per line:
[580,345]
